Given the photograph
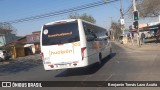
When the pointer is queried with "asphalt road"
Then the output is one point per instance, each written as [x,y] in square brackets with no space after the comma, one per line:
[124,65]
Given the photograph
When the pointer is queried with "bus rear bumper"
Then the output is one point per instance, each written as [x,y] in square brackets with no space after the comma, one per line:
[64,66]
[55,67]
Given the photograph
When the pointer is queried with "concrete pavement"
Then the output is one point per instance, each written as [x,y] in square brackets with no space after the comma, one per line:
[124,65]
[32,58]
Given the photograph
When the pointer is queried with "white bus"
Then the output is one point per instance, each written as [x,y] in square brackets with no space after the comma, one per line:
[73,43]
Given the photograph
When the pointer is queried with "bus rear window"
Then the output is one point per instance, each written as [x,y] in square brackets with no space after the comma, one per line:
[60,33]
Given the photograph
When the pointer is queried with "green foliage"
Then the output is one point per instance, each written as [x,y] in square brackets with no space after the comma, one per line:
[8,26]
[84,16]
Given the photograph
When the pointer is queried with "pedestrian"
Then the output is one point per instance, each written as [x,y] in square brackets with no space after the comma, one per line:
[143,38]
[157,35]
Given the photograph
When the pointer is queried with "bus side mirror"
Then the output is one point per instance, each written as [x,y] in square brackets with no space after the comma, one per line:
[107,34]
[108,37]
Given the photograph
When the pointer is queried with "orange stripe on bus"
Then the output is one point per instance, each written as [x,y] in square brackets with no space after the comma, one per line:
[60,52]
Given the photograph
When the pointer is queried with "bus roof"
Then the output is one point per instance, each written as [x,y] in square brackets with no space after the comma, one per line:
[61,21]
[70,20]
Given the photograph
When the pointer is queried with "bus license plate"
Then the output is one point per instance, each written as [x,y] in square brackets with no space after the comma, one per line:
[63,65]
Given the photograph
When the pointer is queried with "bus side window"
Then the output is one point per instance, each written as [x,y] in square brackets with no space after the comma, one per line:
[91,36]
[87,31]
[107,36]
[94,35]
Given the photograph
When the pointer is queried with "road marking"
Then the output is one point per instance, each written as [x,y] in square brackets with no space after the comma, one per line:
[88,76]
[109,77]
[117,61]
[131,51]
[106,80]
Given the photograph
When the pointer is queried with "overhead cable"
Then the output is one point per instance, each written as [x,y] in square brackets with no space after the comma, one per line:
[60,12]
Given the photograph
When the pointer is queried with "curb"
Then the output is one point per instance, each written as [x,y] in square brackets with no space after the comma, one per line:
[33,58]
[123,45]
[144,47]
[127,46]
[148,47]
[4,63]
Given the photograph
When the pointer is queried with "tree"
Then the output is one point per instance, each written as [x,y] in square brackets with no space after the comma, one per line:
[116,29]
[148,8]
[7,27]
[84,16]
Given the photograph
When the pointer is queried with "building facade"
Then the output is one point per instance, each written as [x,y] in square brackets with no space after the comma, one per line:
[34,38]
[6,37]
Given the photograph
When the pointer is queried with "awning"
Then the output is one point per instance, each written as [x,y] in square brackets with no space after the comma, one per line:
[28,45]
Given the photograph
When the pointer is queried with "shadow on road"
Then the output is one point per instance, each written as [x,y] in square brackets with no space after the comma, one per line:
[18,66]
[85,70]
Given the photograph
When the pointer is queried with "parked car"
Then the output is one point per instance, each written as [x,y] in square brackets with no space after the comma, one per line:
[4,55]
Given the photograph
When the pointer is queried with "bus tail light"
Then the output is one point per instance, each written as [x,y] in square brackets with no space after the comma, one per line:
[52,66]
[75,63]
[82,51]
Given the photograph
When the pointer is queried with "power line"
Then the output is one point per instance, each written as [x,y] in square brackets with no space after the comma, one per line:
[128,10]
[51,14]
[82,7]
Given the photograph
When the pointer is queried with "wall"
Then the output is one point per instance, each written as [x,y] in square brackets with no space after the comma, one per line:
[10,37]
[36,37]
[33,38]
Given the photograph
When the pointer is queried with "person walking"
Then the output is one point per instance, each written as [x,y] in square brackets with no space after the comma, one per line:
[157,35]
[143,38]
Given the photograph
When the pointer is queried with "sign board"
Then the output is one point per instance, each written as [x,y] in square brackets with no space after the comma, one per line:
[153,23]
[122,21]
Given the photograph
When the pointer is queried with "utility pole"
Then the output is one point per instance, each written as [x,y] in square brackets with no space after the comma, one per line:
[121,18]
[134,5]
[135,9]
[121,9]
[111,30]
[122,23]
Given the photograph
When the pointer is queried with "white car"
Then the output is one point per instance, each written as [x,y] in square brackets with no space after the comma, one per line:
[4,55]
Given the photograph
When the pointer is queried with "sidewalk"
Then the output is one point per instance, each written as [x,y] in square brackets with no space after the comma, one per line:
[148,46]
[30,58]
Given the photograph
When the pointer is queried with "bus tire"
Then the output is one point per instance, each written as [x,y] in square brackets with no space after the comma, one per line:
[1,59]
[110,52]
[100,59]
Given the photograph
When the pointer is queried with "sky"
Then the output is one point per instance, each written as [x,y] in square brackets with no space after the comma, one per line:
[18,9]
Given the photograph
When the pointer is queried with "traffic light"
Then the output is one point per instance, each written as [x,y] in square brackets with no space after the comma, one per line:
[135,23]
[136,15]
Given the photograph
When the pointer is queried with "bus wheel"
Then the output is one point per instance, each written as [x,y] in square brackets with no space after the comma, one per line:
[110,52]
[100,59]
